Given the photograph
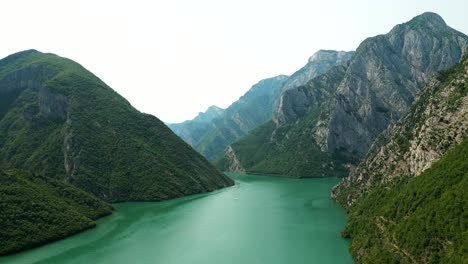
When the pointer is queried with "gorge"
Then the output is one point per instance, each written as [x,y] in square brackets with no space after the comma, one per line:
[359,156]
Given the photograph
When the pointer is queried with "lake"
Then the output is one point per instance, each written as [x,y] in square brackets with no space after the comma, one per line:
[259,220]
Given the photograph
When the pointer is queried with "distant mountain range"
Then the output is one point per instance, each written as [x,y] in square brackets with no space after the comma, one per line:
[69,144]
[211,132]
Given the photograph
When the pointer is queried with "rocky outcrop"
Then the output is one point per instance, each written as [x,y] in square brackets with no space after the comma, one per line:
[318,64]
[53,105]
[235,166]
[437,121]
[13,83]
[297,103]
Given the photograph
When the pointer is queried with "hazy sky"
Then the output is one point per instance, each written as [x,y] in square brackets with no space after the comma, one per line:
[175,58]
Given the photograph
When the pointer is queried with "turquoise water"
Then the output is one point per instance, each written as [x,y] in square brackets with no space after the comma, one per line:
[260,220]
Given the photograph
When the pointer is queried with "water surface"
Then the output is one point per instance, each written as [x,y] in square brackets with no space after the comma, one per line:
[260,220]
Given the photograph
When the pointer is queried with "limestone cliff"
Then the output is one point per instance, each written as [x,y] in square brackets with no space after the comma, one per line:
[437,121]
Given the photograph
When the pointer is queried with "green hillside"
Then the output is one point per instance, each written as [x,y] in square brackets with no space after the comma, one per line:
[415,220]
[36,210]
[297,156]
[61,121]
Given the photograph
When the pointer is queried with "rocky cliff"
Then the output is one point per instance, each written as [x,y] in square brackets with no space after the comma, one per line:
[344,110]
[437,121]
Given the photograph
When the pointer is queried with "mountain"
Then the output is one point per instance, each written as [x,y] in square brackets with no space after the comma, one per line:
[437,121]
[77,145]
[407,199]
[319,63]
[211,113]
[61,121]
[193,130]
[328,125]
[254,108]
[210,138]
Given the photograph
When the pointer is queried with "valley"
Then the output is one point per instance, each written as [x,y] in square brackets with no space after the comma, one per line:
[356,157]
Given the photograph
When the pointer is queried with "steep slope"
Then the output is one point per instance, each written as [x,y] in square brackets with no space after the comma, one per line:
[407,198]
[332,121]
[319,63]
[37,210]
[254,108]
[437,121]
[60,121]
[419,219]
[286,150]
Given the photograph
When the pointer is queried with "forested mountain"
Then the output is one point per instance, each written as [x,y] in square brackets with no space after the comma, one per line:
[67,138]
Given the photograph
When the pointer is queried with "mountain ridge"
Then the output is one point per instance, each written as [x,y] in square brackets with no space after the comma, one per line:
[344,110]
[254,108]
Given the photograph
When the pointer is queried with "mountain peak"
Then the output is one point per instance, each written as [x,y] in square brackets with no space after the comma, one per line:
[427,21]
[328,55]
[211,113]
[27,52]
[18,55]
[214,108]
[428,17]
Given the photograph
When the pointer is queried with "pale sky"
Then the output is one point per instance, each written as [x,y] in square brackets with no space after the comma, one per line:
[175,58]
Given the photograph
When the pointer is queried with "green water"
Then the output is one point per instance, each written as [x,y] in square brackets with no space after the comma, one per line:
[260,220]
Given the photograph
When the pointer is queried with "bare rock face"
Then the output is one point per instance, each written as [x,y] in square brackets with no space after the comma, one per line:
[318,64]
[297,103]
[53,105]
[378,85]
[234,166]
[12,84]
[437,121]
